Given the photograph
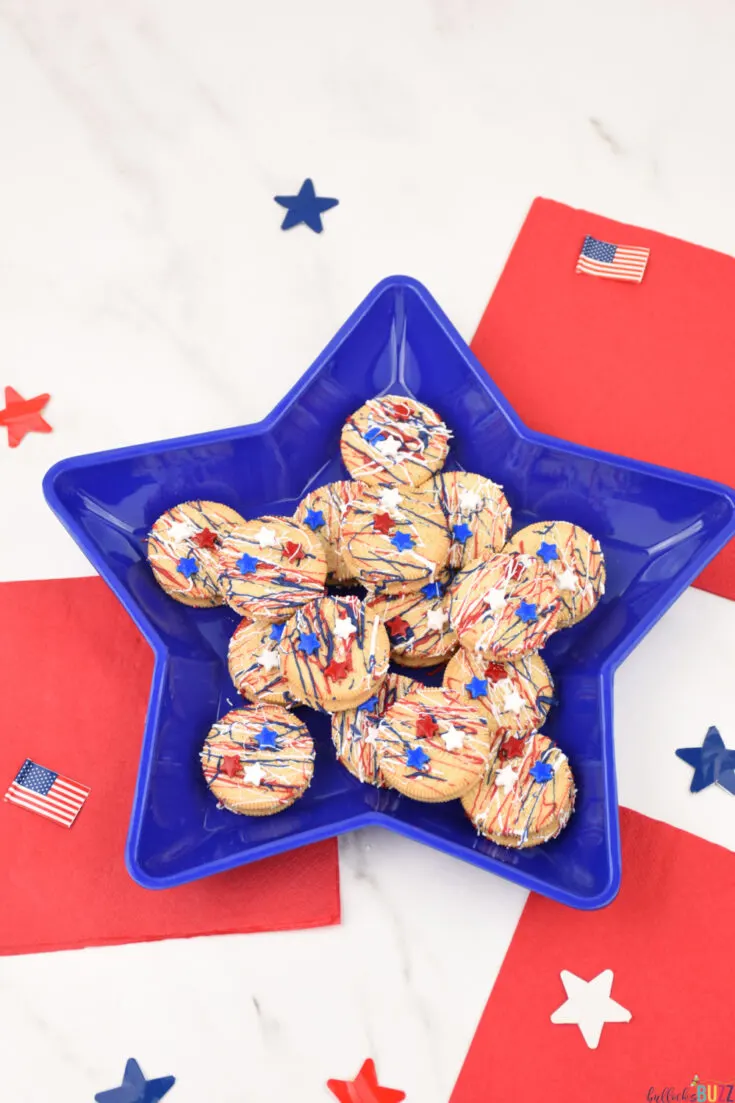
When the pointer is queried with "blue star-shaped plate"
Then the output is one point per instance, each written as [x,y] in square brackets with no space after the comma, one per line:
[658,529]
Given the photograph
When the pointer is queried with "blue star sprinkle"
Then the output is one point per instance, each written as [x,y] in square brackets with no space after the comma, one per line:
[308,643]
[266,740]
[462,532]
[277,632]
[713,763]
[246,564]
[541,772]
[547,552]
[417,759]
[402,541]
[526,612]
[477,688]
[187,567]
[373,434]
[368,706]
[306,207]
[433,589]
[135,1088]
[314,519]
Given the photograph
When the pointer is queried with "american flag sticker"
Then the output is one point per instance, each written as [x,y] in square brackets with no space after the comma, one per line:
[612,262]
[49,794]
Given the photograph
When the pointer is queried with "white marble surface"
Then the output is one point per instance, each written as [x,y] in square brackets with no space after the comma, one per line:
[145,283]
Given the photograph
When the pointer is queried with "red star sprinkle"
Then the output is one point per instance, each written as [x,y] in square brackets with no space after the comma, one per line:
[335,670]
[400,411]
[231,765]
[495,672]
[512,748]
[383,522]
[22,416]
[205,539]
[364,1088]
[426,726]
[397,626]
[293,552]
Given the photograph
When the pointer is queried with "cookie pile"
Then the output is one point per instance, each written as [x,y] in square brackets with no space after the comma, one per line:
[403,562]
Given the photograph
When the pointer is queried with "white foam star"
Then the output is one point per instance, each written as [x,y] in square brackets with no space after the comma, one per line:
[181,530]
[453,739]
[253,775]
[390,499]
[506,778]
[344,628]
[469,502]
[567,580]
[494,599]
[513,702]
[268,659]
[388,447]
[589,1006]
[266,537]
[436,619]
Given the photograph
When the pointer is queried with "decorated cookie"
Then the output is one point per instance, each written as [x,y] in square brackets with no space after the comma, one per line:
[418,624]
[254,660]
[322,512]
[574,558]
[514,695]
[477,513]
[394,440]
[336,653]
[183,550]
[394,540]
[270,567]
[527,795]
[504,606]
[432,746]
[258,760]
[352,730]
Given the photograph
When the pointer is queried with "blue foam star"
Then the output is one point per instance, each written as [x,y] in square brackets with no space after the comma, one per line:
[246,564]
[462,532]
[713,763]
[314,519]
[135,1088]
[477,688]
[402,541]
[526,612]
[266,740]
[309,643]
[433,589]
[541,772]
[547,552]
[417,759]
[187,567]
[373,434]
[368,706]
[305,207]
[276,632]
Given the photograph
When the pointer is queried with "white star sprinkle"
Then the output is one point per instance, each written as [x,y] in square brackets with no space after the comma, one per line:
[469,502]
[436,619]
[181,530]
[266,537]
[506,778]
[344,628]
[567,580]
[388,447]
[390,499]
[494,599]
[589,1006]
[268,659]
[513,701]
[453,739]
[253,775]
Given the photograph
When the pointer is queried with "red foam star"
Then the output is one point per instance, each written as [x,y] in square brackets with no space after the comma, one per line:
[205,539]
[397,626]
[511,748]
[22,416]
[383,522]
[336,670]
[364,1088]
[293,552]
[495,672]
[231,765]
[426,726]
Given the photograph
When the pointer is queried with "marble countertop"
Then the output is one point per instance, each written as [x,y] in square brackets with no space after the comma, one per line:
[145,283]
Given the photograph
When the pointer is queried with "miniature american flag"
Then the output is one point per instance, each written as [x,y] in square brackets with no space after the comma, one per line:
[49,794]
[613,262]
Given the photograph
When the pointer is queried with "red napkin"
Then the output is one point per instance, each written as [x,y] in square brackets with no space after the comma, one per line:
[75,682]
[668,938]
[643,370]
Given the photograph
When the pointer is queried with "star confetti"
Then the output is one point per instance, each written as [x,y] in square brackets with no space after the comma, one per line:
[400,410]
[135,1088]
[306,207]
[187,567]
[567,580]
[277,632]
[253,775]
[364,1088]
[180,530]
[469,502]
[314,519]
[506,778]
[390,498]
[246,564]
[453,739]
[426,726]
[372,434]
[397,626]
[511,748]
[21,416]
[267,739]
[526,612]
[713,763]
[205,539]
[368,706]
[462,532]
[436,619]
[477,687]
[293,552]
[344,628]
[417,759]
[494,599]
[383,522]
[541,772]
[589,1005]
[513,702]
[432,589]
[547,552]
[495,672]
[308,643]
[389,447]
[402,541]
[336,670]
[266,537]
[268,659]
[231,765]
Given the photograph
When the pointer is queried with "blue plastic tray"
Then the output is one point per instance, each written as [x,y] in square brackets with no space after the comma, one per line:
[658,529]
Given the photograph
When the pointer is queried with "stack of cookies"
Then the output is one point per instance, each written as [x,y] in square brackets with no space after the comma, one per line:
[408,563]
